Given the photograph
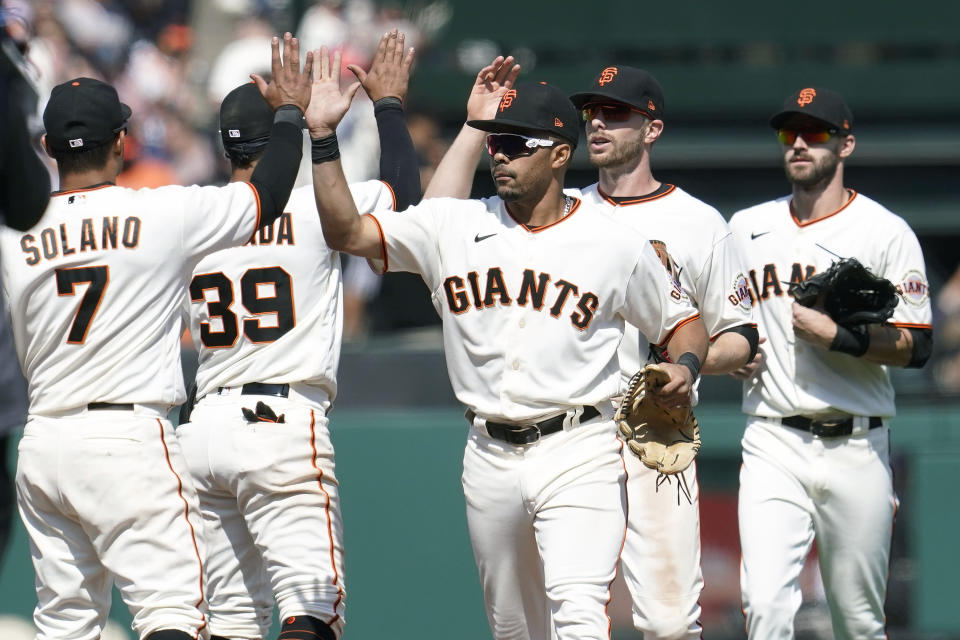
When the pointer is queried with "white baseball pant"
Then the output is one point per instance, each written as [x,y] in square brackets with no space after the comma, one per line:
[547,524]
[795,487]
[106,498]
[271,507]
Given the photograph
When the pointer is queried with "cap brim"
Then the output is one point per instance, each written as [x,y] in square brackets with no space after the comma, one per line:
[580,99]
[780,118]
[503,125]
[125,113]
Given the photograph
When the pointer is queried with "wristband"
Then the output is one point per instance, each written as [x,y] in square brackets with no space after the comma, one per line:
[288,113]
[387,102]
[851,340]
[324,149]
[691,362]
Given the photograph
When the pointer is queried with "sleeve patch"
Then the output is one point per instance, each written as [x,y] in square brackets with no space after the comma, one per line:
[739,296]
[913,288]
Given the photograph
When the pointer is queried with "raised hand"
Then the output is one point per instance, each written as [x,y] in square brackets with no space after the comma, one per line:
[328,104]
[493,81]
[288,84]
[389,73]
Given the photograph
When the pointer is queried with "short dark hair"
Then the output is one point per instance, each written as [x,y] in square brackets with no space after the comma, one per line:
[243,158]
[87,160]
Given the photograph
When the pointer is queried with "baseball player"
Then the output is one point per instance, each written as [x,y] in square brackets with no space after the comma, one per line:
[96,290]
[623,112]
[816,458]
[532,320]
[258,444]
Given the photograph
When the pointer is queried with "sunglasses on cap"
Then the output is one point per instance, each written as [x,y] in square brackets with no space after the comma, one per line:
[612,112]
[810,136]
[514,145]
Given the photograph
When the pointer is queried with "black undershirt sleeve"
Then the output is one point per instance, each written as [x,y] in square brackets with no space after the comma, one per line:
[399,165]
[922,347]
[748,331]
[24,181]
[276,172]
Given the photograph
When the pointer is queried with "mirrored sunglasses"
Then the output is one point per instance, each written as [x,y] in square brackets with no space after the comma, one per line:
[514,145]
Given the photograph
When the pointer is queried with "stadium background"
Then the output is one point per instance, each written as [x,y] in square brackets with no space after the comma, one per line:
[724,67]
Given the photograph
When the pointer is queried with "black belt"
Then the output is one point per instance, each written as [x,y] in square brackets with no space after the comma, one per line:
[98,406]
[826,428]
[260,389]
[530,433]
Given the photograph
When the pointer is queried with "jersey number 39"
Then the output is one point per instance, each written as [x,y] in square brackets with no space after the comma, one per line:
[252,290]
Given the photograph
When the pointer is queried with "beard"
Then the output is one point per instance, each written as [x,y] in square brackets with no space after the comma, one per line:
[618,153]
[819,172]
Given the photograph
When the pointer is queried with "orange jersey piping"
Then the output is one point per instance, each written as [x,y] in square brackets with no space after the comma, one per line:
[383,246]
[82,190]
[333,562]
[393,195]
[679,324]
[573,209]
[640,200]
[853,194]
[256,196]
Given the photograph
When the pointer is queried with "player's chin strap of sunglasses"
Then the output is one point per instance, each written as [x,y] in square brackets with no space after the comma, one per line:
[530,433]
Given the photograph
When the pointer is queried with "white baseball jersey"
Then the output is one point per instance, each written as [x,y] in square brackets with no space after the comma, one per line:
[532,318]
[700,244]
[798,378]
[95,288]
[271,311]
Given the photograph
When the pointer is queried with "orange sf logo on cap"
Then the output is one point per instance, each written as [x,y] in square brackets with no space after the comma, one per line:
[806,97]
[651,106]
[557,122]
[507,99]
[607,75]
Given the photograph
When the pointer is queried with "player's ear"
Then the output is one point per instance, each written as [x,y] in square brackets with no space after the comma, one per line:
[560,154]
[43,143]
[654,131]
[847,146]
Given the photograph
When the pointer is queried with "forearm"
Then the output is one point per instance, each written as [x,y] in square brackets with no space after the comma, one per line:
[689,338]
[454,175]
[276,172]
[343,227]
[727,353]
[399,166]
[889,345]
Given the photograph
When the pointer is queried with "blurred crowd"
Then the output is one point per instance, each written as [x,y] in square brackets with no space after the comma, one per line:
[173,61]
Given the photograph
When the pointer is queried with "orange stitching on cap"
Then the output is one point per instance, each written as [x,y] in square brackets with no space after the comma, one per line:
[651,106]
[806,97]
[607,75]
[507,99]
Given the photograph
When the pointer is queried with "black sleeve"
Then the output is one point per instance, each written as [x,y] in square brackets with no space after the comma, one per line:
[276,172]
[748,331]
[922,347]
[399,165]
[24,181]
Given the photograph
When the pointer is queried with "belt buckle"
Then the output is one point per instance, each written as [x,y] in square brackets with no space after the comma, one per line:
[826,428]
[531,433]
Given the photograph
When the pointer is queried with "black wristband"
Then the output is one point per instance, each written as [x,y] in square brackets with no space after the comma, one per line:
[324,149]
[387,102]
[691,362]
[289,113]
[854,340]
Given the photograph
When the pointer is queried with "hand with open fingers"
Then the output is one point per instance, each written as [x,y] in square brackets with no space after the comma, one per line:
[328,104]
[750,369]
[665,438]
[389,73]
[493,81]
[288,83]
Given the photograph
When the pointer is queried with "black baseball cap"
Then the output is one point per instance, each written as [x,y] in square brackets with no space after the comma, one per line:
[245,116]
[83,113]
[534,107]
[816,102]
[628,85]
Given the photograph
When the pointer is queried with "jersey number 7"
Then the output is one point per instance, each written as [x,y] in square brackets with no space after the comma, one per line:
[67,281]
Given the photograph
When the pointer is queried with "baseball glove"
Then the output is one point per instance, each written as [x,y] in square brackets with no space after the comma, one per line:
[666,440]
[848,293]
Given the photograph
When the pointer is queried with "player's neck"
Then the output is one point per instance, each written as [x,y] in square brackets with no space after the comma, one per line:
[629,179]
[84,179]
[241,175]
[819,201]
[540,211]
